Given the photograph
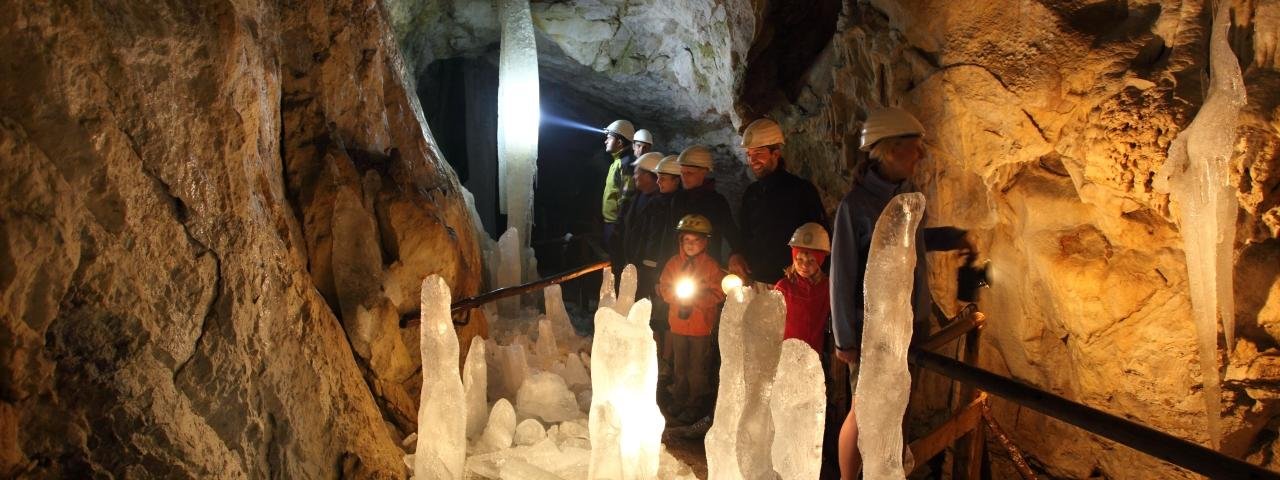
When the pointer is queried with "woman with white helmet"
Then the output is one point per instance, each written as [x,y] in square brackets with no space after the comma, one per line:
[894,139]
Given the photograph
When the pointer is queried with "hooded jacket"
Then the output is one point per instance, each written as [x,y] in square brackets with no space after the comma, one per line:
[808,305]
[616,182]
[855,221]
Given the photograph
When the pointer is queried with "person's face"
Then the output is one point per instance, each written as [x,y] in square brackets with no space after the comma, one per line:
[668,183]
[640,148]
[903,157]
[692,177]
[805,263]
[646,181]
[763,160]
[612,143]
[692,244]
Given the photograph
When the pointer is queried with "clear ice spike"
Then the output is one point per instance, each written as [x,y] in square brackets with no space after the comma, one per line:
[721,439]
[884,385]
[799,409]
[442,432]
[475,385]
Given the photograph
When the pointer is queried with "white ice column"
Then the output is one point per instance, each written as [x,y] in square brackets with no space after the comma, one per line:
[884,385]
[518,115]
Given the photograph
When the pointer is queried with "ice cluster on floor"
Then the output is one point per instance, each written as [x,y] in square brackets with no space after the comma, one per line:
[527,394]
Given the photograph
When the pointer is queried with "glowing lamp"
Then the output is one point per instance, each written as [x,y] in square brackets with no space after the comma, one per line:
[730,283]
[685,288]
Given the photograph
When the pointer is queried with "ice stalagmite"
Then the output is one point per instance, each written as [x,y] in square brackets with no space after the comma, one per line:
[553,302]
[475,384]
[626,290]
[509,270]
[608,294]
[761,344]
[721,440]
[1197,176]
[518,115]
[625,424]
[880,398]
[442,432]
[799,408]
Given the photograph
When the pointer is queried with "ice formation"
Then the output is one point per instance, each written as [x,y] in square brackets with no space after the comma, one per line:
[626,290]
[508,367]
[529,432]
[500,430]
[545,348]
[799,409]
[519,115]
[509,249]
[545,395]
[762,328]
[1197,175]
[884,385]
[475,381]
[721,439]
[608,296]
[441,448]
[625,424]
[553,303]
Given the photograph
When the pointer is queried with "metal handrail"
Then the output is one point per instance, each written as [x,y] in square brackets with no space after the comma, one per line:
[1189,455]
[412,319]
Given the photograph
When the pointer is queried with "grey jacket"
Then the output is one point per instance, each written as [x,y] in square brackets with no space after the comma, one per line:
[855,220]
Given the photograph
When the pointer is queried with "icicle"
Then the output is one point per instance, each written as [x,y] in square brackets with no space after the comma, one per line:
[518,115]
[1197,177]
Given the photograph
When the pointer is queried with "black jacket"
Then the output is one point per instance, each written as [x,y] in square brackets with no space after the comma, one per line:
[772,209]
[705,201]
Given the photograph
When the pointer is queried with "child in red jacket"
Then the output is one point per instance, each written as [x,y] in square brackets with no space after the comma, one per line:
[804,287]
[690,283]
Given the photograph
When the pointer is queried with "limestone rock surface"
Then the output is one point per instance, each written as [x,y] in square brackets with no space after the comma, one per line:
[204,207]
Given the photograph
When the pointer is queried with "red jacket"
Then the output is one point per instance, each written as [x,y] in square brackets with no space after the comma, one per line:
[808,305]
[706,302]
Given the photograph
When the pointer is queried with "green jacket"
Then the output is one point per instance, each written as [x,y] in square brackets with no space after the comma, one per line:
[616,182]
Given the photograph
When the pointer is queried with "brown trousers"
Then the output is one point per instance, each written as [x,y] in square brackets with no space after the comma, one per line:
[691,389]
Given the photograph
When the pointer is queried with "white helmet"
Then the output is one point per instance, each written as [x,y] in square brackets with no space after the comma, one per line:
[761,133]
[649,162]
[811,236]
[887,123]
[621,128]
[669,165]
[696,156]
[643,135]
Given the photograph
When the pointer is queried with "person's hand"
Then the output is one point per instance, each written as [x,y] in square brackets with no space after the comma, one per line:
[847,356]
[738,266]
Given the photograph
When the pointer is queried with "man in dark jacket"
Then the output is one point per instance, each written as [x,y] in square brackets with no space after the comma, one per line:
[773,206]
[699,196]
[630,232]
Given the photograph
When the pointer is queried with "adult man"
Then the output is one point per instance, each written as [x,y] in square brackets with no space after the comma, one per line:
[773,206]
[699,196]
[630,229]
[643,143]
[617,143]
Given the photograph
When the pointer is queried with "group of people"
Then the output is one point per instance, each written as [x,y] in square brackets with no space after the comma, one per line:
[664,215]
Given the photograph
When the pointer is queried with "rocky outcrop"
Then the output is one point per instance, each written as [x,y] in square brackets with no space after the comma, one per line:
[1047,122]
[213,216]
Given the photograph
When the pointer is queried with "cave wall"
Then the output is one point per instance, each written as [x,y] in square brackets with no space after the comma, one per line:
[1046,124]
[213,216]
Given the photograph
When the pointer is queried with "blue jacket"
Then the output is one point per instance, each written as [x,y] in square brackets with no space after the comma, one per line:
[855,220]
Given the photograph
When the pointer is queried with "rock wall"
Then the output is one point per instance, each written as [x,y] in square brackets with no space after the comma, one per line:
[1046,124]
[214,213]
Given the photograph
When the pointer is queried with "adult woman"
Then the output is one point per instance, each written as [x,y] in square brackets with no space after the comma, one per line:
[894,139]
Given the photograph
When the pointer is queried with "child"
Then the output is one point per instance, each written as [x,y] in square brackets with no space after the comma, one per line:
[804,287]
[690,284]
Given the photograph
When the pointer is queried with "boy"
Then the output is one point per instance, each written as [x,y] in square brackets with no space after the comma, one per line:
[690,284]
[804,287]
